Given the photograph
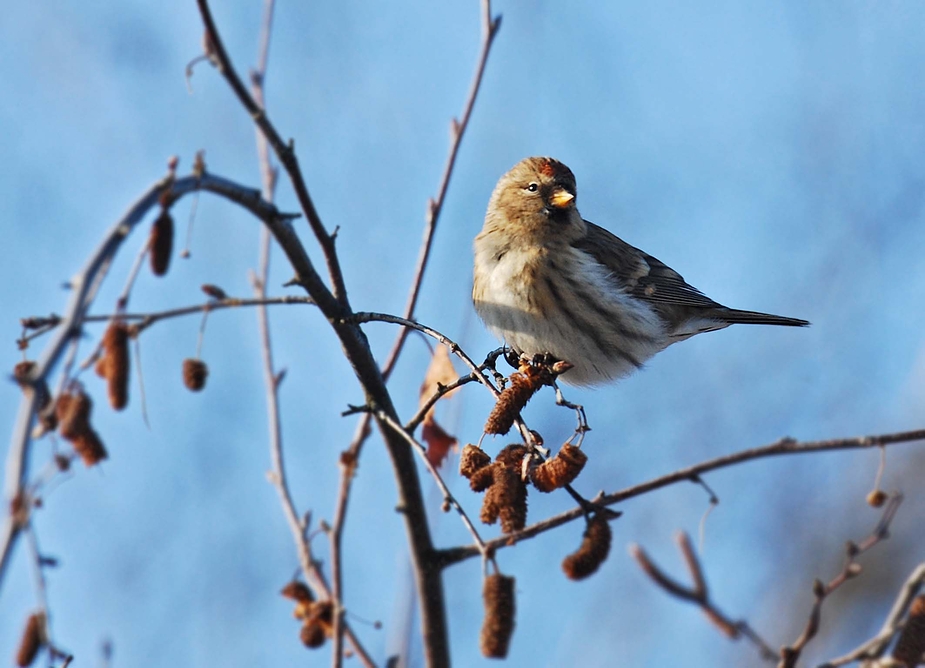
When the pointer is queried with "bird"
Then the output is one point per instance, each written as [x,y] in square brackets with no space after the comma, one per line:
[548,283]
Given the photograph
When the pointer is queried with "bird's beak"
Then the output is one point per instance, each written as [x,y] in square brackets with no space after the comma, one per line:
[561,198]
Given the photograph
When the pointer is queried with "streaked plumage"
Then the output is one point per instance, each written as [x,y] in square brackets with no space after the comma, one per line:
[548,281]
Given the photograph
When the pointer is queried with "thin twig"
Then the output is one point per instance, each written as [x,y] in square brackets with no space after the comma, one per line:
[285,152]
[83,289]
[791,654]
[364,316]
[786,446]
[447,495]
[490,28]
[441,392]
[335,307]
[272,379]
[877,646]
[145,320]
[699,594]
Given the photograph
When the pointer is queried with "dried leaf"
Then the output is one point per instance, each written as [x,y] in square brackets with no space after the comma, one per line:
[439,443]
[440,372]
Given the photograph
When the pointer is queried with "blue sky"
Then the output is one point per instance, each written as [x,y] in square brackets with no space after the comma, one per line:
[769,151]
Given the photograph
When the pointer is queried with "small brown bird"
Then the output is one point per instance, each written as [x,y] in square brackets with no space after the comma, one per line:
[549,282]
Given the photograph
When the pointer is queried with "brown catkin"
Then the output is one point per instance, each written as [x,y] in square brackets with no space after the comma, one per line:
[512,456]
[559,471]
[911,644]
[73,412]
[482,479]
[195,373]
[161,243]
[297,591]
[505,498]
[511,402]
[595,546]
[115,364]
[22,370]
[89,447]
[33,637]
[312,634]
[472,459]
[498,625]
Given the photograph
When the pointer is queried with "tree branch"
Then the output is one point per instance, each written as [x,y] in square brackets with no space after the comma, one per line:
[284,152]
[786,446]
[876,646]
[791,654]
[699,594]
[83,289]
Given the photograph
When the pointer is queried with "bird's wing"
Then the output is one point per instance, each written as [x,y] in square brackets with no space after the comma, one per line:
[639,273]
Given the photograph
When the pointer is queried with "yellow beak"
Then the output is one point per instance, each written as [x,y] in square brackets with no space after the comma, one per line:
[561,198]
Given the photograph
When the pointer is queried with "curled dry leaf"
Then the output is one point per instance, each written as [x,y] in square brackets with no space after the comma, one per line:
[439,442]
[440,373]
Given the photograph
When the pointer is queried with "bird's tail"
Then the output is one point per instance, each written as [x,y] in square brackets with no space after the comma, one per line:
[736,317]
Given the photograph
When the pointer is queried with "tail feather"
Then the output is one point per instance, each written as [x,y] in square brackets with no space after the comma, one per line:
[736,317]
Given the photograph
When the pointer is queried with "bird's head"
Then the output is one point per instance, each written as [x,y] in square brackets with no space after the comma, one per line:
[538,195]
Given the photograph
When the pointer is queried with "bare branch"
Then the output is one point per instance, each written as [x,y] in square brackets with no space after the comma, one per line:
[790,655]
[877,646]
[698,594]
[490,28]
[284,152]
[786,446]
[447,495]
[83,290]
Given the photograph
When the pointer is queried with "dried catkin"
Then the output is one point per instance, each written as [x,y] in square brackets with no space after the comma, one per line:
[161,243]
[472,459]
[595,546]
[498,625]
[195,373]
[512,400]
[73,412]
[559,471]
[114,365]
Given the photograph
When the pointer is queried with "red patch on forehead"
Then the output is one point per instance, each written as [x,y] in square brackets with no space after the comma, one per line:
[549,167]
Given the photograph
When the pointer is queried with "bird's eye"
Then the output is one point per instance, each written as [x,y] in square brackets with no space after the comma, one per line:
[533,187]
